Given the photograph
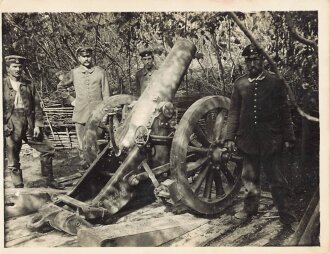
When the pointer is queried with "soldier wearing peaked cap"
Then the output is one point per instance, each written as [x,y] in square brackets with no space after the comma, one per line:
[143,75]
[90,83]
[23,120]
[259,119]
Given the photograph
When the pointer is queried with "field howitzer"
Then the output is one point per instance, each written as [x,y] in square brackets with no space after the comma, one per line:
[181,150]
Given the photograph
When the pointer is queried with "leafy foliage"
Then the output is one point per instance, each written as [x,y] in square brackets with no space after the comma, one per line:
[49,40]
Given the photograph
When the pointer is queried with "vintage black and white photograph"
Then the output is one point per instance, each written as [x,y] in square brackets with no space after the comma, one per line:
[167,128]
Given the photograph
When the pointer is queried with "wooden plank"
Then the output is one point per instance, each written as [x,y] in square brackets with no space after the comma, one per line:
[241,234]
[204,234]
[154,210]
[15,228]
[50,191]
[17,235]
[267,234]
[51,239]
[64,179]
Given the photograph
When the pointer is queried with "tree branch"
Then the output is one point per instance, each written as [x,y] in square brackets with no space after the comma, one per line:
[53,29]
[273,65]
[47,53]
[111,58]
[220,66]
[97,35]
[297,36]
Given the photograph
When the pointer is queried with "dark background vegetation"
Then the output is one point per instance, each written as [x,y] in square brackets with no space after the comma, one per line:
[49,41]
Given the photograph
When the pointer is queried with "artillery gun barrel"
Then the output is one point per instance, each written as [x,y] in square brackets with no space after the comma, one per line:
[162,87]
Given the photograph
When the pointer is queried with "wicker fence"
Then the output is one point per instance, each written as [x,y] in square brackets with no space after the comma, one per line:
[59,127]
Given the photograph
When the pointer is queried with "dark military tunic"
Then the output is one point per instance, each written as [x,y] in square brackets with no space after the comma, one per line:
[259,115]
[141,78]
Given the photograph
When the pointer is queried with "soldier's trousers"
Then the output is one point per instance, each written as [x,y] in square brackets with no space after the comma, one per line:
[18,124]
[80,130]
[281,193]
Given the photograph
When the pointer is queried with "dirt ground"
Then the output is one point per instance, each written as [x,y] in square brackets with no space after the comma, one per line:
[65,163]
[264,230]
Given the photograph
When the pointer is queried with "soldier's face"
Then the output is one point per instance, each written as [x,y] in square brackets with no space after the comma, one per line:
[254,65]
[148,61]
[15,70]
[85,60]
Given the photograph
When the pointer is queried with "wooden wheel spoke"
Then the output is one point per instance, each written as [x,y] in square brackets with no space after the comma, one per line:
[200,179]
[228,175]
[193,167]
[219,125]
[203,188]
[210,124]
[208,184]
[218,184]
[200,150]
[193,140]
[201,136]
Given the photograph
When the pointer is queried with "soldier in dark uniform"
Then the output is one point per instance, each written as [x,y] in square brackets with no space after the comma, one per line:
[143,75]
[259,120]
[23,120]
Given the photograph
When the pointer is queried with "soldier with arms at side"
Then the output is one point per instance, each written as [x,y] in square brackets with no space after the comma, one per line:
[143,75]
[259,119]
[23,120]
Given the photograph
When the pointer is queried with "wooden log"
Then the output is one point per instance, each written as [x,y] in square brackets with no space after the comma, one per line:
[313,204]
[151,232]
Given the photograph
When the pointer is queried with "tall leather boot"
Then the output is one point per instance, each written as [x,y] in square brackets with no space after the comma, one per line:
[47,172]
[83,164]
[16,177]
[43,167]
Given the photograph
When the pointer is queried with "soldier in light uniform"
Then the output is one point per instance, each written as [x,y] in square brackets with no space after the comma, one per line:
[23,120]
[259,120]
[91,86]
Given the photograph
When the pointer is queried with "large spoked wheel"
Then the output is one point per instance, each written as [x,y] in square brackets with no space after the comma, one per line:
[94,124]
[206,179]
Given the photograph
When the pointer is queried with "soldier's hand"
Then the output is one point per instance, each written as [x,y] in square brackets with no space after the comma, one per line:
[36,132]
[230,145]
[288,146]
[7,130]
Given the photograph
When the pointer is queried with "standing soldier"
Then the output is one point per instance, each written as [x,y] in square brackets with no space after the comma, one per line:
[91,87]
[23,120]
[260,120]
[143,75]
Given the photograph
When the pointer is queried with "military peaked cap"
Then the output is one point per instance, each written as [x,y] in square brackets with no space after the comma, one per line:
[146,52]
[15,59]
[84,51]
[251,50]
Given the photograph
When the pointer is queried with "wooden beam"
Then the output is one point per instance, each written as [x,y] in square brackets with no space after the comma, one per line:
[150,232]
